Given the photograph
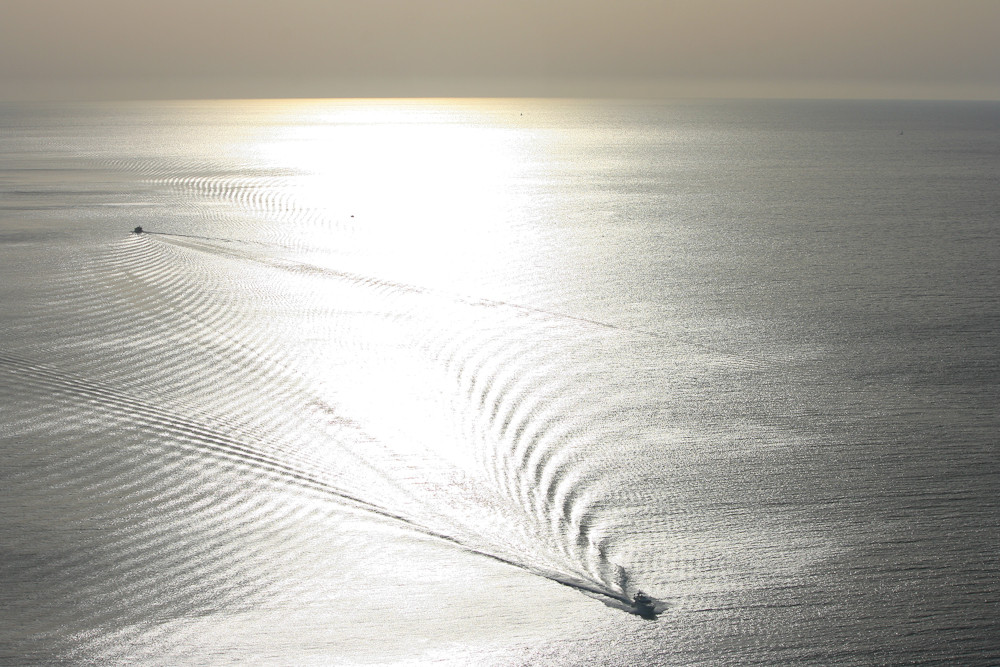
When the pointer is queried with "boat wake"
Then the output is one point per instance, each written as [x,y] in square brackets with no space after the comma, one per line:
[203,438]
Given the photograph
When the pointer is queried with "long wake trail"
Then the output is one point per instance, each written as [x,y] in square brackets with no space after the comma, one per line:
[455,297]
[202,438]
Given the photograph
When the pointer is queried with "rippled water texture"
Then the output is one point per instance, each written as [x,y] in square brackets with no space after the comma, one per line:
[385,382]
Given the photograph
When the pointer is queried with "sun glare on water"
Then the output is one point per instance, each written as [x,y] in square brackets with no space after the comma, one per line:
[414,208]
[426,190]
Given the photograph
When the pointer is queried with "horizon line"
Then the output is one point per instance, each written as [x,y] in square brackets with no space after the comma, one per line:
[639,88]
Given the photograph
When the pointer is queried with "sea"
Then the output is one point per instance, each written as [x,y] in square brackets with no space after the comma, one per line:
[448,382]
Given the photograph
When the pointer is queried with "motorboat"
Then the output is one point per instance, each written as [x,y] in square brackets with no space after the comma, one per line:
[643,605]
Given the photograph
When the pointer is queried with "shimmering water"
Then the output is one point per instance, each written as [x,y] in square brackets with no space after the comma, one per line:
[393,382]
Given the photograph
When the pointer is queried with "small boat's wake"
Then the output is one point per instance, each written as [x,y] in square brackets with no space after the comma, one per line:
[639,603]
[621,597]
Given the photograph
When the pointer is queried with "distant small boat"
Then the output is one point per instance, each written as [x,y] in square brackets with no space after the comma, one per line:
[137,230]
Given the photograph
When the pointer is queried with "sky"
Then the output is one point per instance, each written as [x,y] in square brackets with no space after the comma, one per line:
[170,49]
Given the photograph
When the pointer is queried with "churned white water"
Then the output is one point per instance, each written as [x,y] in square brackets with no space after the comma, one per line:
[392,382]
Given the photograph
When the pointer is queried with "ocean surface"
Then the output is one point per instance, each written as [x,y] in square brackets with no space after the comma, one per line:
[447,382]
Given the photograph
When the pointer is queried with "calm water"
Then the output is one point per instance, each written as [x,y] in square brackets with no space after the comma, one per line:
[410,382]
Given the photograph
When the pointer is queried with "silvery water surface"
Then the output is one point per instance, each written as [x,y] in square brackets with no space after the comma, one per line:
[448,381]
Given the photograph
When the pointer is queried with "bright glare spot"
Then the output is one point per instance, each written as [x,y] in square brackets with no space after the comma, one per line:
[417,197]
[423,187]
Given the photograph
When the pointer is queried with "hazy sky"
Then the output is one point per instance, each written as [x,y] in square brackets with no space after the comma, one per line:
[328,48]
